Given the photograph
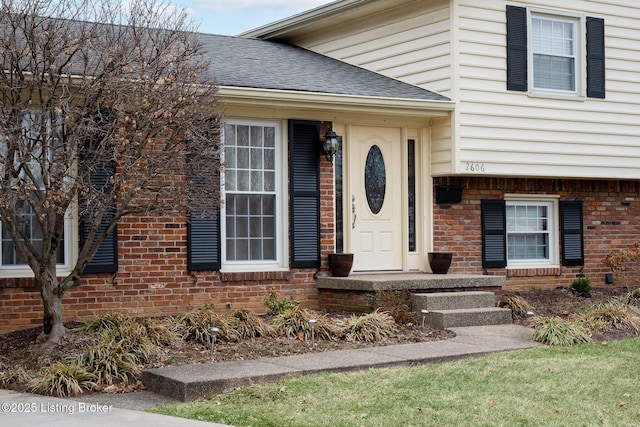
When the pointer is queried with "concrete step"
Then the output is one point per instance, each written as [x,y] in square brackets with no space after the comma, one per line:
[445,319]
[452,300]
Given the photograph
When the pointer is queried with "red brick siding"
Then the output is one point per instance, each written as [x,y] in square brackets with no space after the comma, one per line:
[611,221]
[153,280]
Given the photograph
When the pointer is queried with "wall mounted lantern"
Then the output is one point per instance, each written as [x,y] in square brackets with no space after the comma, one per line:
[329,144]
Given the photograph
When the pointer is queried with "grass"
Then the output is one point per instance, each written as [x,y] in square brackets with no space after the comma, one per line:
[589,384]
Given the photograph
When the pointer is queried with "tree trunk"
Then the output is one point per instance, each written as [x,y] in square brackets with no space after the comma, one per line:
[52,293]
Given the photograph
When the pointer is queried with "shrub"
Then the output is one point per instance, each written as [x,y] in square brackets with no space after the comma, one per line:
[555,331]
[196,326]
[158,332]
[581,286]
[608,315]
[633,298]
[625,265]
[109,361]
[370,327]
[63,379]
[248,325]
[132,338]
[104,322]
[518,305]
[10,376]
[295,323]
[278,306]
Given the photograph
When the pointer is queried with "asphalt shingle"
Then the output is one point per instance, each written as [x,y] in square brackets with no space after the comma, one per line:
[254,63]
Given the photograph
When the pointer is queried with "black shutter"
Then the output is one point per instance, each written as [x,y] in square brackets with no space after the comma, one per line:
[494,234]
[203,229]
[572,235]
[595,58]
[105,260]
[203,241]
[304,193]
[517,48]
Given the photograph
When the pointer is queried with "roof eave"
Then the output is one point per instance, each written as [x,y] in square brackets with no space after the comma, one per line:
[285,26]
[255,97]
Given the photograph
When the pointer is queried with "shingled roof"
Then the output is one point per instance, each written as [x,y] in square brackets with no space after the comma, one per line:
[262,64]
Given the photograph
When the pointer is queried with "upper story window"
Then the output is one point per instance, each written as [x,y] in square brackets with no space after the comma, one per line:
[554,53]
[251,199]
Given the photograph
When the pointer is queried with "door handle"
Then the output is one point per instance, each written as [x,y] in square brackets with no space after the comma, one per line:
[353,211]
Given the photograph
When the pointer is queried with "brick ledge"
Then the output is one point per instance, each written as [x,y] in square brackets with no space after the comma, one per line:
[530,272]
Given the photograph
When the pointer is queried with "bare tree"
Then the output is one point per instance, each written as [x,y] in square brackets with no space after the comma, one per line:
[105,111]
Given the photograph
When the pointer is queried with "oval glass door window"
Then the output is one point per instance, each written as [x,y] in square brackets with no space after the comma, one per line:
[375,179]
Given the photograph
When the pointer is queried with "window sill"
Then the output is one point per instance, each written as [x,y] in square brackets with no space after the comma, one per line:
[533,271]
[27,273]
[556,95]
[254,276]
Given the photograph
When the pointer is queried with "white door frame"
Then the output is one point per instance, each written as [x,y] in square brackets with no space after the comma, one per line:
[407,260]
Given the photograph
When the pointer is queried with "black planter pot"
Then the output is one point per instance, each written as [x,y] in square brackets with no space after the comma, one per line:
[340,264]
[440,262]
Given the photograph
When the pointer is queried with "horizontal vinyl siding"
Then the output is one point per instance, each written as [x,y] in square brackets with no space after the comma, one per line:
[440,158]
[511,133]
[410,43]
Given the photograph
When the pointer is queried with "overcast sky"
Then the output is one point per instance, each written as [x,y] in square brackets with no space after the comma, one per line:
[232,17]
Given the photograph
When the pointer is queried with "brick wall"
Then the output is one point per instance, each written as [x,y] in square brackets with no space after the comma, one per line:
[611,221]
[153,280]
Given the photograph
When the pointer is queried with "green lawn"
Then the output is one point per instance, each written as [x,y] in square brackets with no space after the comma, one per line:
[594,384]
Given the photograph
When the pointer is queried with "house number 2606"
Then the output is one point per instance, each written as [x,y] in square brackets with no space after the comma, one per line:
[474,167]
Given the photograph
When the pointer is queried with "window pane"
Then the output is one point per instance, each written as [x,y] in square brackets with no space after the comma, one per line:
[243,136]
[269,248]
[230,180]
[230,135]
[244,181]
[243,158]
[269,137]
[411,202]
[269,159]
[256,158]
[230,156]
[256,136]
[554,53]
[553,72]
[31,228]
[250,214]
[528,232]
[256,181]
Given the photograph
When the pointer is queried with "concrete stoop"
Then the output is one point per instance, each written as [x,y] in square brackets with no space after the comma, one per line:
[457,309]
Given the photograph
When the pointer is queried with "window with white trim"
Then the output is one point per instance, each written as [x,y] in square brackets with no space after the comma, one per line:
[531,235]
[11,263]
[250,189]
[554,53]
[30,227]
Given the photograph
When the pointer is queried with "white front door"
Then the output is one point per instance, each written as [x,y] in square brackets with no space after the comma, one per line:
[375,196]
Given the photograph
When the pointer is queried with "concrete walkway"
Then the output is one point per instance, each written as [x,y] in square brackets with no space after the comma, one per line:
[30,410]
[189,382]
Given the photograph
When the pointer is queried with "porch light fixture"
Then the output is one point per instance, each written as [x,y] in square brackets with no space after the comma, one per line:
[329,144]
